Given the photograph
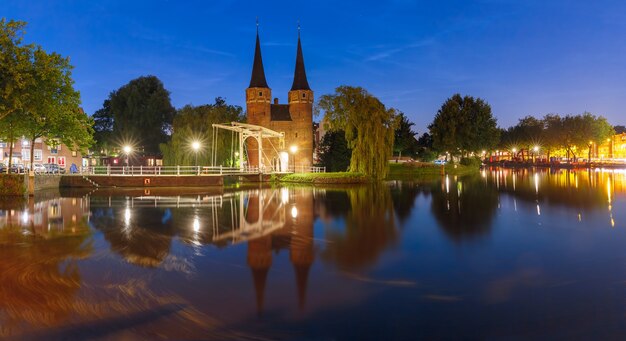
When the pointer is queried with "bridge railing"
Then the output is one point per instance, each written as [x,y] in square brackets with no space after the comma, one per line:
[185,170]
[307,169]
[164,170]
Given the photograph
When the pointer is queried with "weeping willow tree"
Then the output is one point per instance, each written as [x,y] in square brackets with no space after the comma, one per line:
[194,123]
[368,126]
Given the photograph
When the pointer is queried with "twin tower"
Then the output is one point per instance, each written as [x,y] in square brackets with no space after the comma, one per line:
[294,119]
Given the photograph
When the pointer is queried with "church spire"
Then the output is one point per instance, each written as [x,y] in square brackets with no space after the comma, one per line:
[258,74]
[299,77]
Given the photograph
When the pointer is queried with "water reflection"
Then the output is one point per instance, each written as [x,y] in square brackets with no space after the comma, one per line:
[369,228]
[40,247]
[185,264]
[464,207]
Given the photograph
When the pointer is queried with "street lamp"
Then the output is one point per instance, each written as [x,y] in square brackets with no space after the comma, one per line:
[195,145]
[294,150]
[127,150]
[514,150]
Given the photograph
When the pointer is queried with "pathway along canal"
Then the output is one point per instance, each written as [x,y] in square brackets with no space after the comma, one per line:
[502,254]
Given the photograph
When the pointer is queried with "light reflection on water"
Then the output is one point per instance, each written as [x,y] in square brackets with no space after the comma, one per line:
[519,253]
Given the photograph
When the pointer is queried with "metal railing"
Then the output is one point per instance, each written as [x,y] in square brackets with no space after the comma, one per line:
[181,170]
[164,170]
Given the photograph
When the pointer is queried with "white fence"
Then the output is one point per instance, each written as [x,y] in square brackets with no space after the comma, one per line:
[184,170]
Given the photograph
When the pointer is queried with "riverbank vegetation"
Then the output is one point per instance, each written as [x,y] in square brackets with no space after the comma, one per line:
[326,178]
[427,171]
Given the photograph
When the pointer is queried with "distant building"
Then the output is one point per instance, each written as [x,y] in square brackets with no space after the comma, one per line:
[43,153]
[613,148]
[295,119]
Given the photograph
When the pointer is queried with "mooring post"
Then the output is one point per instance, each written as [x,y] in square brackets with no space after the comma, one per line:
[108,169]
[220,169]
[177,170]
[141,170]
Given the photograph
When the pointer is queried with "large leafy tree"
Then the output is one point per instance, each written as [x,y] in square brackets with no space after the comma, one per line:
[15,63]
[528,133]
[138,113]
[38,97]
[574,134]
[194,123]
[334,153]
[463,125]
[368,125]
[52,110]
[405,142]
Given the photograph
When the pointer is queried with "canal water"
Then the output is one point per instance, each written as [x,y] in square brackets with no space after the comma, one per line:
[504,254]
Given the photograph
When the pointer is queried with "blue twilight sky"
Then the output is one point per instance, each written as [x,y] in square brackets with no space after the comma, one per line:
[523,57]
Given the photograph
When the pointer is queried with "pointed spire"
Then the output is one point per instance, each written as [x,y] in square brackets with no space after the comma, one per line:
[258,74]
[299,78]
[302,276]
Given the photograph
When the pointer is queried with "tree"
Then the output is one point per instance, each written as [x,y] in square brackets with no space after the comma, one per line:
[524,136]
[195,124]
[334,153]
[38,98]
[425,148]
[139,112]
[53,109]
[103,128]
[404,137]
[368,125]
[15,61]
[463,125]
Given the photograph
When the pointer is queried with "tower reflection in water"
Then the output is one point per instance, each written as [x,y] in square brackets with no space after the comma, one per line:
[141,228]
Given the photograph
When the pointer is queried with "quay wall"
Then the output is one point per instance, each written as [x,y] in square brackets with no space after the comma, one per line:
[12,184]
[92,181]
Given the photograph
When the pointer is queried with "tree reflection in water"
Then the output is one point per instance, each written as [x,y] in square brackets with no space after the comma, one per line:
[370,228]
[143,241]
[464,207]
[39,274]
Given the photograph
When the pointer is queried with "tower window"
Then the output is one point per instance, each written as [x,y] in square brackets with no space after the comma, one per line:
[303,95]
[260,94]
[296,135]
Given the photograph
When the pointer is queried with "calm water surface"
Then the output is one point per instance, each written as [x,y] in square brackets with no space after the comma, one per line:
[504,254]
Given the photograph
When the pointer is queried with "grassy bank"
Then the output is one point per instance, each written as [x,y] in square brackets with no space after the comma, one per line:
[426,171]
[325,178]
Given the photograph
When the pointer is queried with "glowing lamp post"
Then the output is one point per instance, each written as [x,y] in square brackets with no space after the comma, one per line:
[535,150]
[127,150]
[294,149]
[195,145]
[514,150]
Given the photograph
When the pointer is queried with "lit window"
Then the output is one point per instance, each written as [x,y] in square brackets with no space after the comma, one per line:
[74,153]
[25,154]
[38,155]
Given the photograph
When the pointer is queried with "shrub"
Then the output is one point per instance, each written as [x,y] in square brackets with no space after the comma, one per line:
[471,161]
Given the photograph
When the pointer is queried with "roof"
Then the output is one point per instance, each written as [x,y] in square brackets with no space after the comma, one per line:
[258,73]
[299,77]
[280,112]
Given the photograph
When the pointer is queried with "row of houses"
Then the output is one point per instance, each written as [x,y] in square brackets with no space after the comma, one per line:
[42,153]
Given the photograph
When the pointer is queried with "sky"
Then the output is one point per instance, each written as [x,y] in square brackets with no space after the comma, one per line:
[523,57]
